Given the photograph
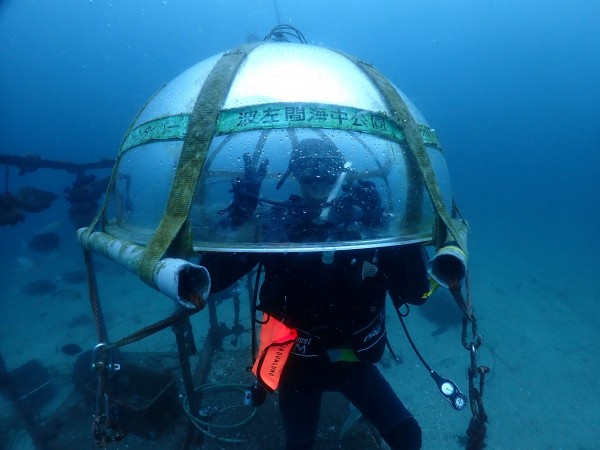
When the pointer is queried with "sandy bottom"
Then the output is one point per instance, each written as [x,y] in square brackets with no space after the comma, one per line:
[535,298]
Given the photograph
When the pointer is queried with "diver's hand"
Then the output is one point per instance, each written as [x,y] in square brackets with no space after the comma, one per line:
[245,191]
[361,203]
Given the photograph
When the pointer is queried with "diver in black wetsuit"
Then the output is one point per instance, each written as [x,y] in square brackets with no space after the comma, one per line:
[334,300]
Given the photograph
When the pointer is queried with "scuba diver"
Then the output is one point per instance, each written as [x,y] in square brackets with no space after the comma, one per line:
[332,303]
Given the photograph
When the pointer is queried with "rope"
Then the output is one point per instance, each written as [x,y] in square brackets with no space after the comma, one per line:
[151,329]
[101,332]
[468,303]
[277,11]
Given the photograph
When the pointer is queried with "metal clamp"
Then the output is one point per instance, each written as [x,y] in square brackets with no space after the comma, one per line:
[105,363]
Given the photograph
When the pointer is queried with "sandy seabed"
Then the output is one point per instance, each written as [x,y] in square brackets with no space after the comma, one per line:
[535,299]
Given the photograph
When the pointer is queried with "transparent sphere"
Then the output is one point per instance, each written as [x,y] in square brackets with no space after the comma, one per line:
[304,156]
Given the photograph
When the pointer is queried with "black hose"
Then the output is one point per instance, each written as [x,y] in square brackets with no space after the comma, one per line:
[410,341]
[254,303]
[281,33]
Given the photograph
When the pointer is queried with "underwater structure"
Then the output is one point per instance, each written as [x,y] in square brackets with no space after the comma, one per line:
[249,107]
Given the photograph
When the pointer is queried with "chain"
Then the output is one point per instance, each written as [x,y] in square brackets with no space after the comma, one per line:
[104,426]
[477,429]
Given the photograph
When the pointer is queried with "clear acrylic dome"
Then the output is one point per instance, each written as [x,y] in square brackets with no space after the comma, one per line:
[283,96]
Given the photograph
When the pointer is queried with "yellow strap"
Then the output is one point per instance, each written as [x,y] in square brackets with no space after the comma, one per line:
[410,129]
[198,138]
[434,285]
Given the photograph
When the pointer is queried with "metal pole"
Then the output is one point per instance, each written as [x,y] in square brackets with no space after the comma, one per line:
[185,347]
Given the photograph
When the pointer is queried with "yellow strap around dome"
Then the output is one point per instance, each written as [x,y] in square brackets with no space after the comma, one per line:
[410,130]
[197,140]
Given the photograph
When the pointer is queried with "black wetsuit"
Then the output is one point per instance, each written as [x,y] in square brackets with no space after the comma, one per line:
[337,304]
[334,305]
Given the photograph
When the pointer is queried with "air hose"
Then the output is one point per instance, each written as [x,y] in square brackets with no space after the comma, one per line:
[447,388]
[203,421]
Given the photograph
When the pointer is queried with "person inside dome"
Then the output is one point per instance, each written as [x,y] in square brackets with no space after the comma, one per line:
[332,304]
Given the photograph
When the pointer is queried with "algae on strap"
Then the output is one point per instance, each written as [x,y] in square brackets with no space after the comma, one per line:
[197,140]
[410,130]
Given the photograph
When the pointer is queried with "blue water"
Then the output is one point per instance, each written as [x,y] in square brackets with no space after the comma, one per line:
[511,88]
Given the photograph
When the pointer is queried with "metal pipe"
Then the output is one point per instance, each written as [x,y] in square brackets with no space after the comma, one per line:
[186,283]
[448,267]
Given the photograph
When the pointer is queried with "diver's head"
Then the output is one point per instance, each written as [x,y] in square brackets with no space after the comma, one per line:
[316,164]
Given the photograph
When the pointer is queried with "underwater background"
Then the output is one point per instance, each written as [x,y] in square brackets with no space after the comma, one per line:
[512,90]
